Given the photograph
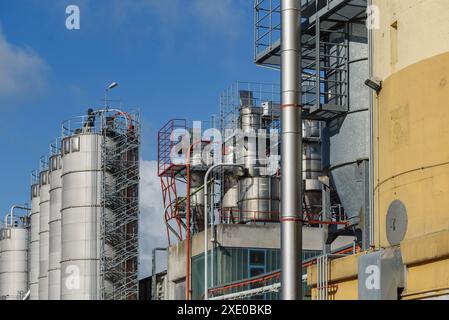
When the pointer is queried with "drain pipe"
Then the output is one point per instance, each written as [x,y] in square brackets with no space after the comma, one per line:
[291,151]
[206,223]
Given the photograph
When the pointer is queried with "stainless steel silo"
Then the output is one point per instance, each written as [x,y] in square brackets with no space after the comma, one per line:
[99,210]
[230,192]
[81,216]
[250,118]
[259,199]
[54,264]
[347,136]
[312,166]
[197,198]
[230,199]
[14,260]
[34,242]
[44,233]
[247,142]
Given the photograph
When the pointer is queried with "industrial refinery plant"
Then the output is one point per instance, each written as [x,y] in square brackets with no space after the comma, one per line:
[350,200]
[332,184]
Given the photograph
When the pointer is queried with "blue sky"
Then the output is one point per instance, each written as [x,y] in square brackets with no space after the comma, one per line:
[172,58]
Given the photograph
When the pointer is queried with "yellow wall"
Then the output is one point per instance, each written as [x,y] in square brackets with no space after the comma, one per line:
[411,114]
[422,32]
[412,154]
[411,124]
[411,139]
[341,290]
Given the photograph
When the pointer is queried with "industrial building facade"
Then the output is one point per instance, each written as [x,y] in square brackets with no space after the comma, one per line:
[373,222]
[410,168]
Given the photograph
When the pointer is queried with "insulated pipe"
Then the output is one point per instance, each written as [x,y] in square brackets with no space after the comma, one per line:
[153,274]
[11,213]
[206,178]
[371,140]
[188,218]
[291,152]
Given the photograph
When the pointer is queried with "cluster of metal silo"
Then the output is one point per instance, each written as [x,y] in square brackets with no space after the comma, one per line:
[44,233]
[34,241]
[251,195]
[80,211]
[80,238]
[54,262]
[254,196]
[312,166]
[14,235]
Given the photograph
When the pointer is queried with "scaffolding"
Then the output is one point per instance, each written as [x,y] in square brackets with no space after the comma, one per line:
[120,206]
[325,50]
[256,95]
[169,174]
[265,96]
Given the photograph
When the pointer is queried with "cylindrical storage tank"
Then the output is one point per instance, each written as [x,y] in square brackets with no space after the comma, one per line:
[197,198]
[346,137]
[34,242]
[230,200]
[259,199]
[411,134]
[250,118]
[14,263]
[247,144]
[312,166]
[44,233]
[81,217]
[54,264]
[311,172]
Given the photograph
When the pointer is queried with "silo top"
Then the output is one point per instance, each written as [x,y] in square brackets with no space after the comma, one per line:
[43,178]
[55,163]
[35,191]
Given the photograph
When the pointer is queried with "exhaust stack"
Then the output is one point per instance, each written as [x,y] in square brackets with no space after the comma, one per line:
[291,156]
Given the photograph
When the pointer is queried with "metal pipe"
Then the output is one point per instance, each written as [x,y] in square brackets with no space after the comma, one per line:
[188,218]
[153,274]
[27,295]
[11,213]
[371,140]
[291,153]
[206,178]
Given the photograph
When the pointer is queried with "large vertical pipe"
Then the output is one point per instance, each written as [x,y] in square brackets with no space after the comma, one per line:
[291,177]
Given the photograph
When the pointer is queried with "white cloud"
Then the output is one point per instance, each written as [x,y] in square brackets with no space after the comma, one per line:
[152,227]
[223,16]
[220,17]
[21,69]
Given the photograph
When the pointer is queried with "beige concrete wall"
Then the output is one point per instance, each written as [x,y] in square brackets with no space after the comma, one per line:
[422,32]
[411,56]
[410,116]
